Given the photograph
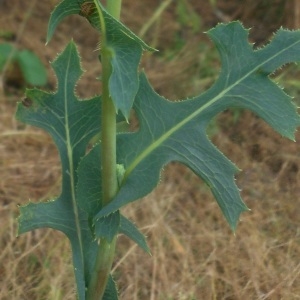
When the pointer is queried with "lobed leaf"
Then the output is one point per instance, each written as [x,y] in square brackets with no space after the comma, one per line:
[176,131]
[71,123]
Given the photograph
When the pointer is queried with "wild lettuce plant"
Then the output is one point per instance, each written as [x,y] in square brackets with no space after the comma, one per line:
[122,168]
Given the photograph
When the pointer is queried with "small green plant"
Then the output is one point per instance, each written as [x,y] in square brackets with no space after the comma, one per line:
[24,62]
[123,167]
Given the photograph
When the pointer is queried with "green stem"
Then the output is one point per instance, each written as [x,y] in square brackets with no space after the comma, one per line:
[106,250]
[108,135]
[105,257]
[114,8]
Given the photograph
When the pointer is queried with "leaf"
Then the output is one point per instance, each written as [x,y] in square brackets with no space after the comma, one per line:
[115,30]
[89,197]
[175,131]
[129,229]
[125,48]
[108,227]
[30,65]
[63,9]
[111,292]
[89,186]
[71,123]
[32,68]
[5,52]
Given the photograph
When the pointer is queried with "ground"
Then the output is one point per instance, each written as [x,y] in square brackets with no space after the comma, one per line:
[195,255]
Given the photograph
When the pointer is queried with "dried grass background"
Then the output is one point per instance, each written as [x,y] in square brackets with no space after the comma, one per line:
[194,253]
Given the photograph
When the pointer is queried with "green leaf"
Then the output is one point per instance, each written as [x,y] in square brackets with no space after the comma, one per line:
[111,292]
[108,227]
[126,51]
[176,131]
[89,186]
[115,30]
[89,198]
[71,123]
[124,46]
[32,68]
[30,65]
[5,52]
[62,10]
[129,229]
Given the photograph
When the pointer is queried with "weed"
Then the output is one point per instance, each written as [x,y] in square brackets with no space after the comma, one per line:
[124,167]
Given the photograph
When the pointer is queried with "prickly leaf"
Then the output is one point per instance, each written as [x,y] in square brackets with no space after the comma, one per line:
[176,131]
[71,123]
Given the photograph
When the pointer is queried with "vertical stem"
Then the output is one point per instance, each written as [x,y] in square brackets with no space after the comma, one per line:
[114,8]
[108,135]
[106,249]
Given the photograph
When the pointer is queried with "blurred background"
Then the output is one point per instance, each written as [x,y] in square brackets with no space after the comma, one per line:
[194,253]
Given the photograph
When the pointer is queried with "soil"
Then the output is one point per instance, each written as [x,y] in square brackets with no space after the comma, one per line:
[196,256]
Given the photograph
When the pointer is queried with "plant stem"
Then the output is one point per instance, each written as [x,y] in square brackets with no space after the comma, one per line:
[101,273]
[106,250]
[108,136]
[114,8]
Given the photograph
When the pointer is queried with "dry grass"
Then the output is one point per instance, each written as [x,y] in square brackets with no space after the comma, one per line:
[194,253]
